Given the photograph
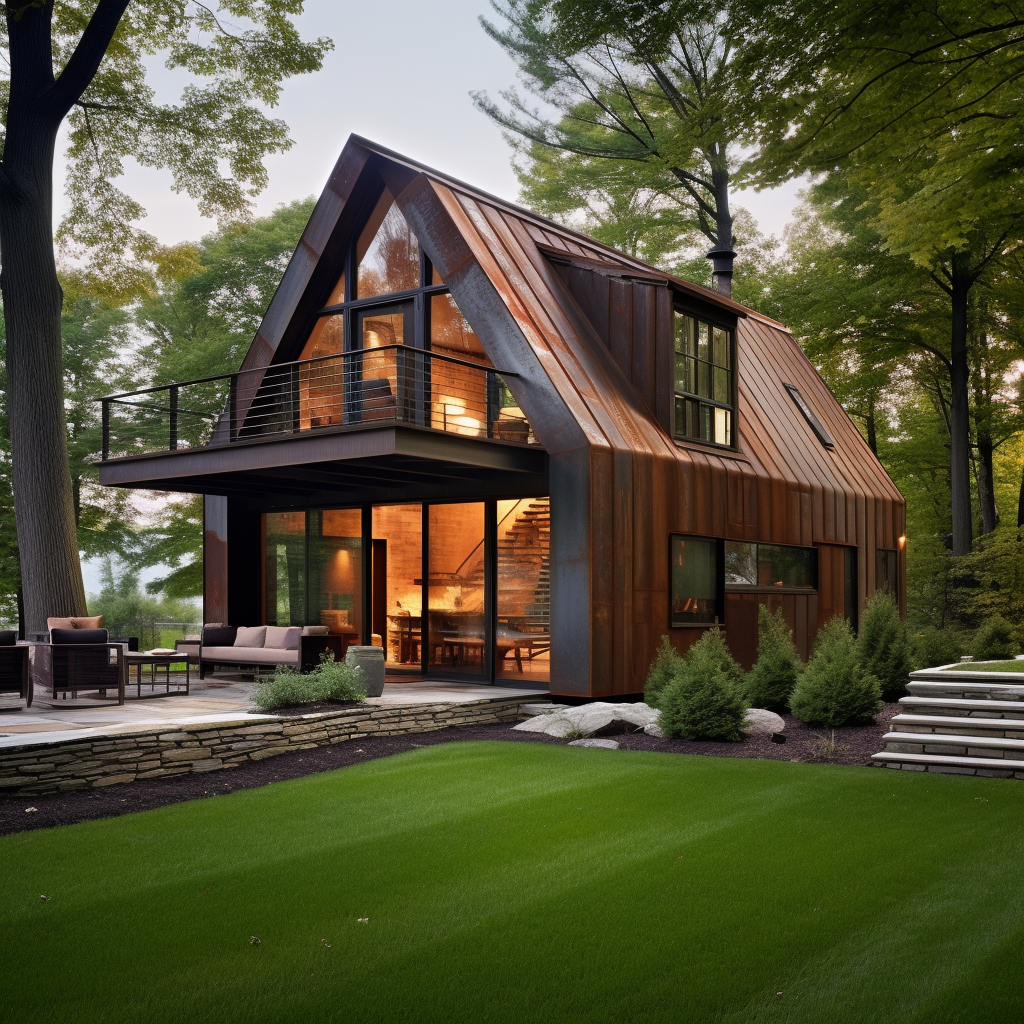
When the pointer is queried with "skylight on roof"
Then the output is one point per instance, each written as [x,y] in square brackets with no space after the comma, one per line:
[812,419]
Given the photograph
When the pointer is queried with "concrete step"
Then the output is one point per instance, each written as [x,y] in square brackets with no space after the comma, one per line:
[953,745]
[1000,768]
[1009,728]
[981,690]
[962,707]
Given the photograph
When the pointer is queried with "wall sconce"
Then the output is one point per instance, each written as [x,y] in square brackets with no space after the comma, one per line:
[902,541]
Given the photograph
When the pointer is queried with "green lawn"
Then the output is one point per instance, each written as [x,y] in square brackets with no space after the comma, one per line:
[988,666]
[522,883]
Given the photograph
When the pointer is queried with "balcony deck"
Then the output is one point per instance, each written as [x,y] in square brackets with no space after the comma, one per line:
[383,417]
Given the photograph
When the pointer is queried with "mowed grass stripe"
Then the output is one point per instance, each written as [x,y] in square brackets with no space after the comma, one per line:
[521,882]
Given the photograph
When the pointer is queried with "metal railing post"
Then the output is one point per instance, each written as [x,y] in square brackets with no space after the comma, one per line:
[105,454]
[172,429]
[294,387]
[400,389]
[233,408]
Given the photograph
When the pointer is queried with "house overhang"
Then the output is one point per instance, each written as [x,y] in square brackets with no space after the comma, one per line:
[377,464]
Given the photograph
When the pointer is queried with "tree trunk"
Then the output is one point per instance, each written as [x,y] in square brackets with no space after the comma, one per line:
[722,276]
[869,421]
[986,484]
[51,572]
[959,409]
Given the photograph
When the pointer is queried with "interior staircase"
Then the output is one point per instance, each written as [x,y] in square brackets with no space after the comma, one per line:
[954,723]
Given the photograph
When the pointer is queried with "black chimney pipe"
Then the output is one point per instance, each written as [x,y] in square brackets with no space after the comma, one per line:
[721,276]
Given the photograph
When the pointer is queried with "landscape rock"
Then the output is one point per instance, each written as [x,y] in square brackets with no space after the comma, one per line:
[760,722]
[603,744]
[541,709]
[654,730]
[597,719]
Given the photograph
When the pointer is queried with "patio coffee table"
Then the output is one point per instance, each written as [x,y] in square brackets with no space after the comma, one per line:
[138,659]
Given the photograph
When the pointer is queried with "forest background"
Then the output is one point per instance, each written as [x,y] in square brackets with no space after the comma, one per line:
[900,275]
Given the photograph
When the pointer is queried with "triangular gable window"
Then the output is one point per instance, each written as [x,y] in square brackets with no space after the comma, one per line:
[388,252]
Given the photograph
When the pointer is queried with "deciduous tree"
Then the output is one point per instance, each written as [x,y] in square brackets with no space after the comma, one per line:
[84,63]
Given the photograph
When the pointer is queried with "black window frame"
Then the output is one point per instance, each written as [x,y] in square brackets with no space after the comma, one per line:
[690,399]
[719,613]
[885,580]
[758,588]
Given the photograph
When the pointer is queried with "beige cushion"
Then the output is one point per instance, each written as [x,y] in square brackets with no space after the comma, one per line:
[282,638]
[250,656]
[250,636]
[76,622]
[315,630]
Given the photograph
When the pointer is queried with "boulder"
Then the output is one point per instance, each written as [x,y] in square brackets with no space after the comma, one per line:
[597,719]
[654,730]
[531,710]
[763,723]
[603,744]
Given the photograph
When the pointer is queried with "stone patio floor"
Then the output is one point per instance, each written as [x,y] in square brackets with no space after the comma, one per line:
[211,700]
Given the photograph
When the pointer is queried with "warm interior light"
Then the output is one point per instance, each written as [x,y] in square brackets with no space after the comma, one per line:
[902,542]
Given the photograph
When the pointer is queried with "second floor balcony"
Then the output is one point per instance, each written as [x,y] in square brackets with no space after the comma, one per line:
[360,390]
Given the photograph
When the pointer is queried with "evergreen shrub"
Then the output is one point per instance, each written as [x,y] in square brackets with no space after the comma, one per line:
[835,688]
[884,645]
[704,699]
[995,640]
[330,681]
[770,682]
[938,647]
[666,663]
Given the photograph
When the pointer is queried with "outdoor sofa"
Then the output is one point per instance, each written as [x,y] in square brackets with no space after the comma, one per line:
[257,647]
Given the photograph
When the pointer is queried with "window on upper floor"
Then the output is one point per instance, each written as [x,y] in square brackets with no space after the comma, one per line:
[388,294]
[705,381]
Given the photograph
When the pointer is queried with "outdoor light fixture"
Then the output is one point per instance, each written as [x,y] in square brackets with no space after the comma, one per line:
[902,541]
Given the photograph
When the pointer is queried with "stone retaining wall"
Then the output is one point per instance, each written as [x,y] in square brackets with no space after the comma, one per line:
[209,746]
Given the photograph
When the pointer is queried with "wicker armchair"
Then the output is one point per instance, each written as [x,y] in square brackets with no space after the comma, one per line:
[83,659]
[14,673]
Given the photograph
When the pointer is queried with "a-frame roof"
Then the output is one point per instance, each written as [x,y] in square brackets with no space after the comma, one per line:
[500,263]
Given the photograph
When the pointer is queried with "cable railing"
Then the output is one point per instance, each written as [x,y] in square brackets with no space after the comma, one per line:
[360,390]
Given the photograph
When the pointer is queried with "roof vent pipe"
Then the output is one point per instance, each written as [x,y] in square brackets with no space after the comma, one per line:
[721,275]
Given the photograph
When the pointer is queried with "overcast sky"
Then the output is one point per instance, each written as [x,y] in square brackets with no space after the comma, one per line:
[400,74]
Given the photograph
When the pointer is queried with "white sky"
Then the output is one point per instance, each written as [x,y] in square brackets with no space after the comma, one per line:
[400,74]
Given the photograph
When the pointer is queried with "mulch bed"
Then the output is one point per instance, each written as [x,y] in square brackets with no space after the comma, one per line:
[854,747]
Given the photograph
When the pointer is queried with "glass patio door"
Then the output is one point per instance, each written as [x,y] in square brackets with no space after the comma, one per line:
[456,557]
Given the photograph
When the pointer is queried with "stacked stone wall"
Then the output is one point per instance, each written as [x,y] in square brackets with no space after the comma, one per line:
[152,753]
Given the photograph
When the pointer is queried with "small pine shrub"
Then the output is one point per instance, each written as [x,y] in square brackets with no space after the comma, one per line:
[330,681]
[938,647]
[835,688]
[995,640]
[884,645]
[770,682]
[666,663]
[704,699]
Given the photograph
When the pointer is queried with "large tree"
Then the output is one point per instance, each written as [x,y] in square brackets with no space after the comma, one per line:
[625,89]
[918,104]
[84,63]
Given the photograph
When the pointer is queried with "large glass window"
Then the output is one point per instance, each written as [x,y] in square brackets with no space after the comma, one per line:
[285,568]
[313,570]
[389,253]
[774,566]
[704,381]
[397,584]
[694,571]
[522,641]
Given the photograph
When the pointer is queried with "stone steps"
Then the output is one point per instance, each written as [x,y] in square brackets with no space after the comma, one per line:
[958,688]
[964,723]
[953,744]
[962,707]
[994,767]
[1007,727]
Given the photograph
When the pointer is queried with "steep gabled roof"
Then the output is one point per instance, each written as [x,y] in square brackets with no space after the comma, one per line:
[499,261]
